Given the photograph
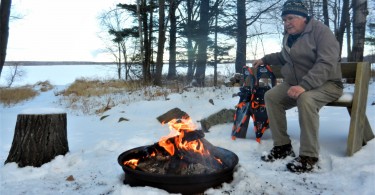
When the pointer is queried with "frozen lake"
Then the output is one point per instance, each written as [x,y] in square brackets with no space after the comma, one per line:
[58,74]
[65,74]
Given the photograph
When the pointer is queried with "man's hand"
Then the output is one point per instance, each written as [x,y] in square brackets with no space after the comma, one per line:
[295,91]
[257,63]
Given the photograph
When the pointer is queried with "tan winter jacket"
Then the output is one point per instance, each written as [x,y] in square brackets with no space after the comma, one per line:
[312,60]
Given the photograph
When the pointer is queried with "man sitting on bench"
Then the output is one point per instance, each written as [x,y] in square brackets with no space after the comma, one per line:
[312,78]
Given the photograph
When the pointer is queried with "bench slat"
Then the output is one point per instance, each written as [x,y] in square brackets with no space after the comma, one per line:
[345,100]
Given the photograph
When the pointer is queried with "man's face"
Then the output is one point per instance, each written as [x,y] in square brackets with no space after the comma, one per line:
[294,24]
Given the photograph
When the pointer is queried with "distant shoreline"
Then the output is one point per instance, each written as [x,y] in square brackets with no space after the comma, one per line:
[44,63]
[52,63]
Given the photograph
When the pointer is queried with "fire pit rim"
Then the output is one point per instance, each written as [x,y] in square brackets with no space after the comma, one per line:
[184,184]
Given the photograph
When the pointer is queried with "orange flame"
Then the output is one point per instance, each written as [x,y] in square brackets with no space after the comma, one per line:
[177,128]
[218,160]
[133,163]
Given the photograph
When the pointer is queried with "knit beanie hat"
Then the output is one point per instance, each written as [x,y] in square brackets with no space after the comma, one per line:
[296,7]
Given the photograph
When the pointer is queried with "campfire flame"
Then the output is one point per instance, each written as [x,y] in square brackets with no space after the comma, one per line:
[175,141]
[132,163]
[177,128]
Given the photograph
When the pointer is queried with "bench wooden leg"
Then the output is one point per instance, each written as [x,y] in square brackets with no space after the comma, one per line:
[360,132]
[367,132]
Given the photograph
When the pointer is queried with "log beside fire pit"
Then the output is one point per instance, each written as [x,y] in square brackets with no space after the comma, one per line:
[185,163]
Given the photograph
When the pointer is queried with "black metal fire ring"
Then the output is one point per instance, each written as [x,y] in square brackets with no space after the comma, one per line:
[185,184]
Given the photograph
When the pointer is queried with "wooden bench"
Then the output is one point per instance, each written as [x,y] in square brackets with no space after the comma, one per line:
[360,131]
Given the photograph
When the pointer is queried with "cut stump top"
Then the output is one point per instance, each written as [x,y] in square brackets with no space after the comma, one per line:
[42,111]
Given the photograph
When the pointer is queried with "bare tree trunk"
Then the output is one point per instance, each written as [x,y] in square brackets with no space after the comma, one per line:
[348,38]
[150,50]
[216,50]
[241,35]
[124,53]
[202,44]
[5,6]
[344,16]
[38,138]
[146,43]
[141,45]
[119,61]
[190,49]
[172,40]
[336,13]
[161,42]
[360,13]
[325,12]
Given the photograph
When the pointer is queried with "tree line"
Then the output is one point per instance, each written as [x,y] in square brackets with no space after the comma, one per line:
[198,33]
[201,32]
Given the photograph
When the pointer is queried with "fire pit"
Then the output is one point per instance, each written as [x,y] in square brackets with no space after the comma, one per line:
[183,162]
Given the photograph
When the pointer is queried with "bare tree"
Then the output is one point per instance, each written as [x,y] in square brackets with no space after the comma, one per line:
[242,30]
[112,22]
[140,31]
[360,13]
[370,38]
[15,72]
[148,42]
[344,21]
[325,12]
[216,12]
[161,42]
[241,35]
[172,38]
[203,40]
[5,6]
[190,33]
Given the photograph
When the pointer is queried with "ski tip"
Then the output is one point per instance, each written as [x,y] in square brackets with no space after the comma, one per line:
[258,140]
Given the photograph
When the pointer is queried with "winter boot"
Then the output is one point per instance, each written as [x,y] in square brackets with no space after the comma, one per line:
[302,164]
[279,152]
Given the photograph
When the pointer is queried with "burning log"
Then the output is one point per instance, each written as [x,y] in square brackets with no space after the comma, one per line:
[182,162]
[158,164]
[174,113]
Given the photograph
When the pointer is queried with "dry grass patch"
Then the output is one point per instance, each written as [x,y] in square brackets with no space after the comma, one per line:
[44,86]
[88,88]
[11,96]
[93,96]
[90,96]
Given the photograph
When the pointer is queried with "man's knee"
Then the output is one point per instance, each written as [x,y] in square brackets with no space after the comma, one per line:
[306,99]
[269,96]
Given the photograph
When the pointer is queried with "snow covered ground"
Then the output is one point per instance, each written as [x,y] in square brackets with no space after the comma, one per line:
[95,145]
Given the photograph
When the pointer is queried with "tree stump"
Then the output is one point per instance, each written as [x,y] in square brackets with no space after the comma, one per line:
[38,138]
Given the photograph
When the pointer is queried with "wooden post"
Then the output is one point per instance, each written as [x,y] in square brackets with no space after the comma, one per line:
[38,138]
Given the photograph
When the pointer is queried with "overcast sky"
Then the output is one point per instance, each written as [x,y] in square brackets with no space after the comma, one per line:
[67,30]
[62,30]
[56,30]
